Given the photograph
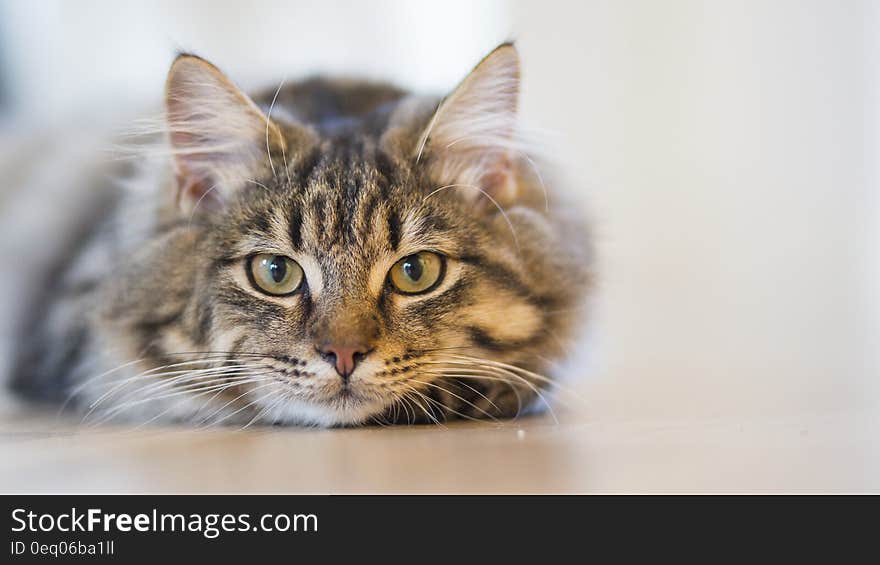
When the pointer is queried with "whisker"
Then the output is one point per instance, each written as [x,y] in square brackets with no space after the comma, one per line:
[268,124]
[236,399]
[261,185]
[199,201]
[444,408]
[219,391]
[90,380]
[404,403]
[424,139]
[287,396]
[487,195]
[488,363]
[465,359]
[125,405]
[497,370]
[511,384]
[447,391]
[267,409]
[189,380]
[160,372]
[540,179]
[79,388]
[152,374]
[489,400]
[417,402]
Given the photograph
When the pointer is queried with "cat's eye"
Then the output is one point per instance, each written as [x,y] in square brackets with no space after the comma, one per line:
[275,274]
[418,273]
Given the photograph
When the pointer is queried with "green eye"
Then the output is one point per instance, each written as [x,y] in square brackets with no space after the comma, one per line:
[417,273]
[275,274]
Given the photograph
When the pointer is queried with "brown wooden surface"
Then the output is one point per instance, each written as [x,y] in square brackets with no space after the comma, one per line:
[818,454]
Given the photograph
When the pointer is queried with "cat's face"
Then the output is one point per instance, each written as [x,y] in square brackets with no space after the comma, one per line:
[410,269]
[360,287]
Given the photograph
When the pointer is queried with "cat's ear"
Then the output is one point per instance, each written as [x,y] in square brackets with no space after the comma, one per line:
[471,139]
[219,138]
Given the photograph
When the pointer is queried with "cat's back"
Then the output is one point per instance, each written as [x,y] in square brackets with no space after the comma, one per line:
[334,105]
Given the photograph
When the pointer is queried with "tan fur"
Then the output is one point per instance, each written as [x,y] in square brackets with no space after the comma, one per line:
[346,179]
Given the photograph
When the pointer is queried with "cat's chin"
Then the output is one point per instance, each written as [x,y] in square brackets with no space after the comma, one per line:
[335,412]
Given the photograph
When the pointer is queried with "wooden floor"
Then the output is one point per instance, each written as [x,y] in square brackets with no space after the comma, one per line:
[577,455]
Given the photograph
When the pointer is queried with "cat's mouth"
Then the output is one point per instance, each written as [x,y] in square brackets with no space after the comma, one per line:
[348,406]
[345,395]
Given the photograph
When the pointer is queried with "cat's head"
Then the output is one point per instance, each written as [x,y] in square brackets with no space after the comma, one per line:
[381,265]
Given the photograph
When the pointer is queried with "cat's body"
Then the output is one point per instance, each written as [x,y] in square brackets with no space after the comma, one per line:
[170,302]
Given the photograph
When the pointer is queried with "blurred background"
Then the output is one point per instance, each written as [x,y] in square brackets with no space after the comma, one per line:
[726,152]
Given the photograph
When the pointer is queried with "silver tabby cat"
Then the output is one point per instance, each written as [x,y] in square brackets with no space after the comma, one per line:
[330,253]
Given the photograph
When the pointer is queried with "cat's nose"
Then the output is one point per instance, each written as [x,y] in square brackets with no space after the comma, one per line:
[343,357]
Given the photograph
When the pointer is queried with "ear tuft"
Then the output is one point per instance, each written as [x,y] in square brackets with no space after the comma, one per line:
[471,138]
[219,137]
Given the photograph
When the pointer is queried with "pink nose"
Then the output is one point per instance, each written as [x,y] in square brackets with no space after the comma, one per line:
[343,357]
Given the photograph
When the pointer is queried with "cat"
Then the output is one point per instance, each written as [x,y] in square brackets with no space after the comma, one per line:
[332,253]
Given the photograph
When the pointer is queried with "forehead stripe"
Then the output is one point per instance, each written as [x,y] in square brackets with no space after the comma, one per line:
[393,229]
[306,166]
[295,227]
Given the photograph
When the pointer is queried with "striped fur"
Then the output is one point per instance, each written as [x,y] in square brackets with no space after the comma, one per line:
[153,318]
